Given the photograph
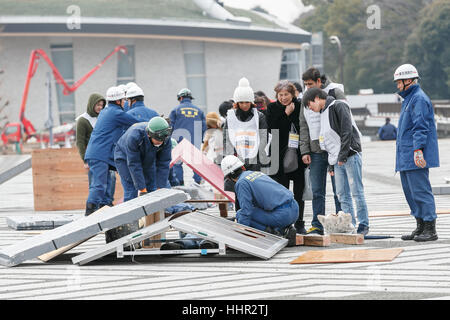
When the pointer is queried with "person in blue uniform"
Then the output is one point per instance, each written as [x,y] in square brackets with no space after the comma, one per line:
[142,157]
[264,203]
[189,122]
[110,125]
[388,131]
[417,152]
[137,108]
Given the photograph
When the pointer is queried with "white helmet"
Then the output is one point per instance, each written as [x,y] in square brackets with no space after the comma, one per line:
[115,93]
[230,164]
[122,86]
[134,91]
[406,71]
[129,85]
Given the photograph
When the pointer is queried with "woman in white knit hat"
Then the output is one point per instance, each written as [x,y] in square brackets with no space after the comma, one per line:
[245,130]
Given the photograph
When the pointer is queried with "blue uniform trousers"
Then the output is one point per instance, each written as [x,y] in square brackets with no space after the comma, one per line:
[129,190]
[281,217]
[100,182]
[417,189]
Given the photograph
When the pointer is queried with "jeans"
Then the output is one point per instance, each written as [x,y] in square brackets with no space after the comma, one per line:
[179,174]
[318,175]
[418,193]
[349,186]
[102,183]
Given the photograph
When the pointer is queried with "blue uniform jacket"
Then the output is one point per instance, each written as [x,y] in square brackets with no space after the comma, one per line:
[388,132]
[416,130]
[191,118]
[148,165]
[256,189]
[111,123]
[140,111]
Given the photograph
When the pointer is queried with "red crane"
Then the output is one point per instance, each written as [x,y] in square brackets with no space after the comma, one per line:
[12,132]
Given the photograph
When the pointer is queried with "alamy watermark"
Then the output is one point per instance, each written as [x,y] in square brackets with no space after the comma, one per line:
[373,22]
[74,21]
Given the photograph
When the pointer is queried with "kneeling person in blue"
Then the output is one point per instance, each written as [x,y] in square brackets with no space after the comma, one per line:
[264,203]
[142,156]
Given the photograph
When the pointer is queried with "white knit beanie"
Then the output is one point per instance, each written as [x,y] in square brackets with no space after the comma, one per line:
[243,93]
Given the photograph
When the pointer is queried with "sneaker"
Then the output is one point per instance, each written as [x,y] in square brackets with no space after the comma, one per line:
[172,246]
[206,244]
[314,230]
[290,233]
[363,229]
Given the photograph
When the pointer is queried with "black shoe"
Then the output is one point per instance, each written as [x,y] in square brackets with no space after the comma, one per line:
[363,229]
[172,246]
[429,232]
[273,231]
[300,227]
[90,208]
[416,232]
[206,244]
[290,233]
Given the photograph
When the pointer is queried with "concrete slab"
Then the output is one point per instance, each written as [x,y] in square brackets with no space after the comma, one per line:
[40,221]
[89,226]
[12,165]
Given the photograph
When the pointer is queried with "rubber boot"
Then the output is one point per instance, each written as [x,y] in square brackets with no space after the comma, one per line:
[90,208]
[429,232]
[416,232]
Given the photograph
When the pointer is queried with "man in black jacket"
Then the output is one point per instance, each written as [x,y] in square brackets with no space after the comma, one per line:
[340,137]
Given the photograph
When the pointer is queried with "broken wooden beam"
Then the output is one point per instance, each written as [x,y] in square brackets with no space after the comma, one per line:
[346,238]
[313,240]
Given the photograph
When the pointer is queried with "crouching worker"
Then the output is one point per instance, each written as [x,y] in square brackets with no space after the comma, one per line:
[265,204]
[142,156]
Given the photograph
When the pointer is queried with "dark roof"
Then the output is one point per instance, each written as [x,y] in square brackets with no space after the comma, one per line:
[173,18]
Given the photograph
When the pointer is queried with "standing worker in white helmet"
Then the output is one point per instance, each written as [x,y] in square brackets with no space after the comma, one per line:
[264,203]
[137,108]
[111,124]
[417,151]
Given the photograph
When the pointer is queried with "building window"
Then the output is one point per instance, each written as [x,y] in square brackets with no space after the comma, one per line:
[125,66]
[62,57]
[194,61]
[290,65]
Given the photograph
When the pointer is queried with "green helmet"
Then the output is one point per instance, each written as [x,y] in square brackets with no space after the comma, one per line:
[158,128]
[185,92]
[174,142]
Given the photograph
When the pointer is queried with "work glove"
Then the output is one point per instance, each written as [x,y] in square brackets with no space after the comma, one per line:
[419,160]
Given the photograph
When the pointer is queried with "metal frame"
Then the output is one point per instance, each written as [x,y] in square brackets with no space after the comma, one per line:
[205,226]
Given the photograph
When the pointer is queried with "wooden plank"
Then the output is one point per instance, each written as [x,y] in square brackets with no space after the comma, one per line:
[402,213]
[348,256]
[151,219]
[60,181]
[346,238]
[50,255]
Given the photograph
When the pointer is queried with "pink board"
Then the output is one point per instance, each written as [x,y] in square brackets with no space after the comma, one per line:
[201,165]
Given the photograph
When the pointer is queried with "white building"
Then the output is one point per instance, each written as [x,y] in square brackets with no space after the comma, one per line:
[171,44]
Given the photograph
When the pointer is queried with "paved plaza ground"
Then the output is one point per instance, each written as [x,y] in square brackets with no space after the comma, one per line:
[421,271]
